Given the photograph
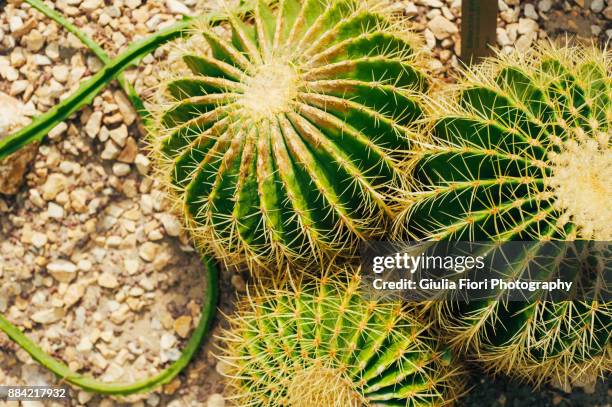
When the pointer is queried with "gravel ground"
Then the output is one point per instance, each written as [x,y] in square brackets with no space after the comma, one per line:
[93,263]
[502,392]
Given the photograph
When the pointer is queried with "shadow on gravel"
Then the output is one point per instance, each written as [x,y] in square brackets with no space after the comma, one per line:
[502,392]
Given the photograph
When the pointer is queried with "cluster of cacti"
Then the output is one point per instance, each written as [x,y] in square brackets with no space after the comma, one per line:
[290,134]
[325,343]
[284,141]
[521,151]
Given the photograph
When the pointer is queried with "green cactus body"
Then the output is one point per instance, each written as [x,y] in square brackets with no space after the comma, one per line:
[522,151]
[325,344]
[284,140]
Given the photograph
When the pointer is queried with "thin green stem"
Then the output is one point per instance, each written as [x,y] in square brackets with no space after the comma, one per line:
[90,384]
[96,49]
[39,128]
[44,123]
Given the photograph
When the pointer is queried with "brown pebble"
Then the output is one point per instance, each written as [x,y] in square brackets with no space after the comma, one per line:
[182,326]
[129,152]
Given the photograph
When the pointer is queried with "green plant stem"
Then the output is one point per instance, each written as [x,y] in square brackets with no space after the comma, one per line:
[39,128]
[44,123]
[96,49]
[90,384]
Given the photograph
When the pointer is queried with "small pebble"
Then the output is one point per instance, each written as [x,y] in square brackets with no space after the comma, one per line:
[107,280]
[597,6]
[148,251]
[55,211]
[142,164]
[531,12]
[39,239]
[121,169]
[182,326]
[215,400]
[62,270]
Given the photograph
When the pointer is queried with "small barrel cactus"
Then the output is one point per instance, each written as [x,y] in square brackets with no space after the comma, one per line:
[324,343]
[522,151]
[284,140]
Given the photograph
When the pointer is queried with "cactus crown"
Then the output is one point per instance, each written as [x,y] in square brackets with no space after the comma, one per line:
[323,344]
[522,151]
[283,140]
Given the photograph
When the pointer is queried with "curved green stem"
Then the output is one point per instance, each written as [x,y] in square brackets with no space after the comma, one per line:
[96,49]
[39,128]
[90,384]
[44,123]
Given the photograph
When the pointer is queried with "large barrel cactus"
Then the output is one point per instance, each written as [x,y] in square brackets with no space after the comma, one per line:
[521,151]
[324,343]
[283,141]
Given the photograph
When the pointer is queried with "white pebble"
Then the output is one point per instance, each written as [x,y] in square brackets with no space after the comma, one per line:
[48,316]
[167,341]
[531,12]
[111,151]
[92,127]
[133,4]
[142,164]
[91,5]
[597,6]
[119,135]
[527,26]
[131,266]
[215,400]
[171,224]
[411,10]
[58,130]
[61,73]
[62,270]
[544,5]
[107,280]
[176,7]
[84,265]
[441,27]
[55,211]
[39,239]
[121,169]
[15,23]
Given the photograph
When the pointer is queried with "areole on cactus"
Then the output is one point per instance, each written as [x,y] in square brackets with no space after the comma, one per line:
[521,151]
[325,343]
[284,141]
